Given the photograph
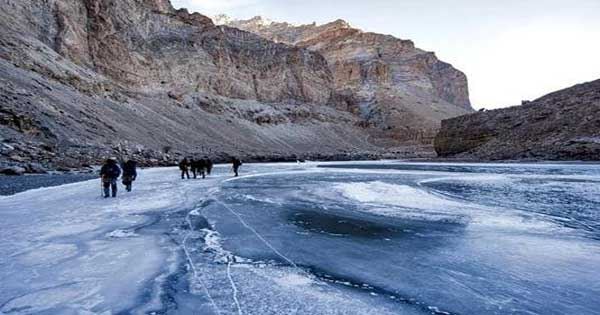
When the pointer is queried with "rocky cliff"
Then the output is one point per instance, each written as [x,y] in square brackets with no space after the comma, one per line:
[386,81]
[564,125]
[147,46]
[84,79]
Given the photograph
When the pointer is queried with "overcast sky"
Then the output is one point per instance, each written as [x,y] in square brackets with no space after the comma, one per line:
[511,50]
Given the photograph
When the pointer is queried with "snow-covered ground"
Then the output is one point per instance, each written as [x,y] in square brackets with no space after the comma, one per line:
[333,238]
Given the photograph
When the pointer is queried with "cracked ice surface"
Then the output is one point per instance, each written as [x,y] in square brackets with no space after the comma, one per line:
[335,238]
[65,248]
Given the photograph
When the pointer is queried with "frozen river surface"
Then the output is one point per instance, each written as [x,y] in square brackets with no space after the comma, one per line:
[349,238]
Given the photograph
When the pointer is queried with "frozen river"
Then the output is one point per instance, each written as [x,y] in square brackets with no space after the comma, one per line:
[348,238]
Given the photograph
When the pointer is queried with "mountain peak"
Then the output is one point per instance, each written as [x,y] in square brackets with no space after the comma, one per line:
[221,19]
[339,23]
[257,21]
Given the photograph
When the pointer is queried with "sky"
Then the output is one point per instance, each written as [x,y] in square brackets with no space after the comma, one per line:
[511,50]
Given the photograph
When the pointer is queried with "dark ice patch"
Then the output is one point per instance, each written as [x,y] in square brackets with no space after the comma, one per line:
[340,226]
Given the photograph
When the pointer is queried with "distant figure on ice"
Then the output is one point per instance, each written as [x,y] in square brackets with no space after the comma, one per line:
[198,168]
[236,165]
[184,166]
[202,168]
[109,174]
[209,165]
[129,174]
[194,167]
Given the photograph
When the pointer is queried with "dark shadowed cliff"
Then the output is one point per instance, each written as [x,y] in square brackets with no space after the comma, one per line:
[564,125]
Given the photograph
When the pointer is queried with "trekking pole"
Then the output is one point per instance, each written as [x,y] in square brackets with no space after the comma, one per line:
[101,188]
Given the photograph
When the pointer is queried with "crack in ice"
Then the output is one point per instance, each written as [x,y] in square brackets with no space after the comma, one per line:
[245,224]
[191,262]
[234,287]
[230,259]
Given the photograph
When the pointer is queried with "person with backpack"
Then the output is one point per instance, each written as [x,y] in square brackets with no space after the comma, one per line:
[184,167]
[109,174]
[201,164]
[209,165]
[129,174]
[194,167]
[236,166]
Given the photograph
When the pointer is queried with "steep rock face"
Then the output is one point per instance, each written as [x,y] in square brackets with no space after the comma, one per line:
[564,125]
[387,81]
[83,80]
[147,46]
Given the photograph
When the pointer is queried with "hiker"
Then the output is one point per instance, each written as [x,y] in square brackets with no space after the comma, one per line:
[209,165]
[129,174]
[194,167]
[202,168]
[236,165]
[109,174]
[184,167]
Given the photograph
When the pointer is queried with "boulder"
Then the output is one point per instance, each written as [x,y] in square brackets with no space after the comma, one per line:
[36,168]
[13,171]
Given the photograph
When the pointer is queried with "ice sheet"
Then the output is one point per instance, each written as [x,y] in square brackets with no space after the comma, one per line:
[349,238]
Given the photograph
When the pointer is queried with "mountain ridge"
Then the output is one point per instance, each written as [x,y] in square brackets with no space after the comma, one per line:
[389,82]
[562,125]
[85,80]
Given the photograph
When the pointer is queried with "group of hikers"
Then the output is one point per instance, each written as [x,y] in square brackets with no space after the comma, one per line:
[199,167]
[111,171]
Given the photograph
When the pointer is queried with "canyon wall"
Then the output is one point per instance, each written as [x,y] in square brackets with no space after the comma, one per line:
[388,82]
[81,80]
[564,125]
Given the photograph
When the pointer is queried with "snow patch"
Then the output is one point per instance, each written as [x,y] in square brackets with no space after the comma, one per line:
[121,234]
[390,194]
[261,200]
[294,280]
[407,202]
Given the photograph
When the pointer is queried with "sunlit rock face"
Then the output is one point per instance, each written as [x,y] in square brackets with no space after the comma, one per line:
[83,80]
[387,81]
[563,125]
[148,46]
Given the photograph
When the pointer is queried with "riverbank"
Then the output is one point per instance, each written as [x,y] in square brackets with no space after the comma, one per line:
[83,161]
[10,185]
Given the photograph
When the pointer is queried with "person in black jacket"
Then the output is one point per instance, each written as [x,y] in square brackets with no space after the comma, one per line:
[109,173]
[129,174]
[236,165]
[209,165]
[201,164]
[184,167]
[194,167]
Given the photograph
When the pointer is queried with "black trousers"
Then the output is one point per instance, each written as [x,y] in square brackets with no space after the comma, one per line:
[110,184]
[186,173]
[128,182]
